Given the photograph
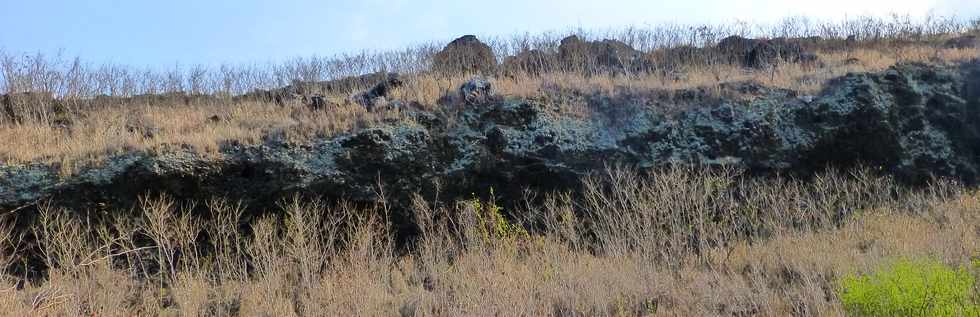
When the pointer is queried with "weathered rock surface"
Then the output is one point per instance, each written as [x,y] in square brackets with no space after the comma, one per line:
[912,121]
[961,42]
[379,93]
[311,93]
[606,56]
[477,90]
[531,62]
[764,53]
[18,107]
[465,55]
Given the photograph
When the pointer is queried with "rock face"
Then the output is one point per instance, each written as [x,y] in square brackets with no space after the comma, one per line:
[465,55]
[912,121]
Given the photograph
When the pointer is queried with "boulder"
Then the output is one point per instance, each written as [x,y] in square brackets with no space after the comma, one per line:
[477,90]
[8,113]
[810,60]
[961,42]
[312,93]
[283,96]
[735,48]
[605,56]
[465,55]
[350,84]
[671,62]
[573,52]
[531,62]
[30,106]
[316,102]
[379,93]
[762,53]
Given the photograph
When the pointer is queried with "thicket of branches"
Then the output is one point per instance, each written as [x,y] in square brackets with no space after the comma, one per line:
[70,78]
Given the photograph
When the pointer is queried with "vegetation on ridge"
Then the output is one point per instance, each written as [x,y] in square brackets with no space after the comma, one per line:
[668,240]
[106,109]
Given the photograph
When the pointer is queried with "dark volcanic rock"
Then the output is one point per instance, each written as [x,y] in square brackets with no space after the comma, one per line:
[605,57]
[530,62]
[762,53]
[317,102]
[477,90]
[311,93]
[913,121]
[965,41]
[17,107]
[465,55]
[379,93]
[736,48]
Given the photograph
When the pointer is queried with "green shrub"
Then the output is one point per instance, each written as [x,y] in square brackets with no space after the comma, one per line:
[911,288]
[491,222]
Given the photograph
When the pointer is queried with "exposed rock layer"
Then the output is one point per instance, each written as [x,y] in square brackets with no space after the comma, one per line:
[912,121]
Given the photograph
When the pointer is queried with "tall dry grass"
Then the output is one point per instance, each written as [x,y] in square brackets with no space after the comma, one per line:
[677,242]
[76,78]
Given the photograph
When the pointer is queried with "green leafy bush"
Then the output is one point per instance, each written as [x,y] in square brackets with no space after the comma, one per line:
[911,288]
[491,222]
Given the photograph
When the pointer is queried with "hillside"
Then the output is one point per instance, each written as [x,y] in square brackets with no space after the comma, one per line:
[572,175]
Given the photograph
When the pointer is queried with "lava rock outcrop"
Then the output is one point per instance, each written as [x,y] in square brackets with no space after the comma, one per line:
[914,121]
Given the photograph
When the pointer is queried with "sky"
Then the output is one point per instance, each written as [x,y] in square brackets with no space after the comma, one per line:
[191,32]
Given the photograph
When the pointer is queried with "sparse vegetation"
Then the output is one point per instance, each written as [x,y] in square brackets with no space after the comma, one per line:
[110,109]
[723,245]
[670,240]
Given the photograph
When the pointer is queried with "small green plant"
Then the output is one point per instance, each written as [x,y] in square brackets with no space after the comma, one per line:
[911,288]
[492,223]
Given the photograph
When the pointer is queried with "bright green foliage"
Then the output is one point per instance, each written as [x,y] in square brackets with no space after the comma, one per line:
[911,288]
[492,223]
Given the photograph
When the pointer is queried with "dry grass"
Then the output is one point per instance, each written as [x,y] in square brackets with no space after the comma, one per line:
[91,120]
[96,133]
[203,128]
[679,243]
[806,80]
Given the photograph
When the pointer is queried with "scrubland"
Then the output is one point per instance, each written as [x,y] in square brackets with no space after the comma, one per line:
[674,241]
[101,114]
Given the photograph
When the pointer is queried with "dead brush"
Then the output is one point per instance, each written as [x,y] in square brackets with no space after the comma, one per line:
[679,240]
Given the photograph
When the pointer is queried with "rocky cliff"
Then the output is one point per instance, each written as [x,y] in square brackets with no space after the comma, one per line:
[913,121]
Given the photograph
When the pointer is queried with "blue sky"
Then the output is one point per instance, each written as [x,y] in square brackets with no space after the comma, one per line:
[154,33]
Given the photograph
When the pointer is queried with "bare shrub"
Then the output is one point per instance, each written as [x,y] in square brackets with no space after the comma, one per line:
[680,240]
